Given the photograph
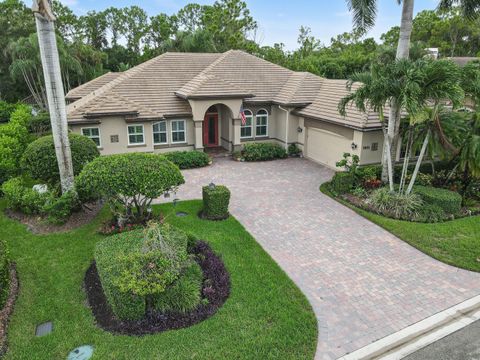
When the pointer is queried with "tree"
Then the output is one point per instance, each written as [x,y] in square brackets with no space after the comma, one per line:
[47,41]
[419,87]
[364,16]
[27,66]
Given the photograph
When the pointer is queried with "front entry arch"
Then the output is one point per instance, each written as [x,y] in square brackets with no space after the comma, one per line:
[210,128]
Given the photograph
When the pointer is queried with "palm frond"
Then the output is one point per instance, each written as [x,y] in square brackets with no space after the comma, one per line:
[364,13]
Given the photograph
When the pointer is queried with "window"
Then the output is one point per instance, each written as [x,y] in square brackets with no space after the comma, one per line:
[92,133]
[262,123]
[160,132]
[135,135]
[246,130]
[178,131]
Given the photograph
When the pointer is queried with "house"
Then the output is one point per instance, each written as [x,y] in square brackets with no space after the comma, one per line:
[193,101]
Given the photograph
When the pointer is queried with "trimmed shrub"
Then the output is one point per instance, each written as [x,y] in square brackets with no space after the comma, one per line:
[393,204]
[21,197]
[4,272]
[263,151]
[343,182]
[129,182]
[294,150]
[449,201]
[188,159]
[40,160]
[215,202]
[6,110]
[141,271]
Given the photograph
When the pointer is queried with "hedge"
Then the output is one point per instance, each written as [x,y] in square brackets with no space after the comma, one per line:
[188,159]
[449,201]
[40,160]
[215,202]
[263,151]
[342,182]
[4,273]
[183,295]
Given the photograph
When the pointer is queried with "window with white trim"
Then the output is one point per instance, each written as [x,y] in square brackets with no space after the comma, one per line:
[135,135]
[246,130]
[160,132]
[178,131]
[92,133]
[261,127]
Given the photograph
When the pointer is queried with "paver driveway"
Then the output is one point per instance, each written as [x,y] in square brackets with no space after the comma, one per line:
[363,282]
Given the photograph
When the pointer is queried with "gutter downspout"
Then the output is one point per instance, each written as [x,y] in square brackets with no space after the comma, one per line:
[286,125]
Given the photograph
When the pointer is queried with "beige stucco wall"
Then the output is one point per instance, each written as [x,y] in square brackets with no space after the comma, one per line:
[367,156]
[118,126]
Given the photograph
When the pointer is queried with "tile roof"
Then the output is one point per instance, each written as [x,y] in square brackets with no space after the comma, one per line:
[161,86]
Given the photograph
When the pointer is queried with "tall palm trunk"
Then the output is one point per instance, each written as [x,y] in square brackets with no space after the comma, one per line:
[56,98]
[403,52]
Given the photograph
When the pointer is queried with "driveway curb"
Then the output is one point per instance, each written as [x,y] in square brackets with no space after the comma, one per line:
[420,334]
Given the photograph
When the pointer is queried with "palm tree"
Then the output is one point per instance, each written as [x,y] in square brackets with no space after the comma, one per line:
[364,17]
[44,19]
[419,87]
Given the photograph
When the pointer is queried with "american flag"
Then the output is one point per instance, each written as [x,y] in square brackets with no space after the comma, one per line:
[242,115]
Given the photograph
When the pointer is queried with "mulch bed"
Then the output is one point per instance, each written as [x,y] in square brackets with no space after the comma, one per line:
[39,225]
[216,289]
[8,309]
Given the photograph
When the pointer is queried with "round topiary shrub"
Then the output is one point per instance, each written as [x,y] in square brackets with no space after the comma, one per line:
[129,182]
[40,160]
[146,271]
[449,201]
[215,202]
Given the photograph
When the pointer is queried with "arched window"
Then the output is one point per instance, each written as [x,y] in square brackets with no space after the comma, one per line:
[246,129]
[261,127]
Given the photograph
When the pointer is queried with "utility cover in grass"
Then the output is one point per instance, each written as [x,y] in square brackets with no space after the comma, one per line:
[83,352]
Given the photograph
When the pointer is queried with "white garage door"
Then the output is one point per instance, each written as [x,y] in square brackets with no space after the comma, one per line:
[326,147]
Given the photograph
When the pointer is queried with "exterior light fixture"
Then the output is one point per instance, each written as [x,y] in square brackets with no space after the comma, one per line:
[211,186]
[299,129]
[354,146]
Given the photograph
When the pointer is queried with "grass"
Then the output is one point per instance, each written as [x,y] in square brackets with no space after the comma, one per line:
[265,317]
[455,242]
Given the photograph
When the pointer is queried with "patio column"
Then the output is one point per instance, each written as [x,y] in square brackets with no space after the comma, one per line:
[198,125]
[236,145]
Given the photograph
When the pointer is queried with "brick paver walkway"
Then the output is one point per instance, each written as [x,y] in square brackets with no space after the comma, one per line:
[363,282]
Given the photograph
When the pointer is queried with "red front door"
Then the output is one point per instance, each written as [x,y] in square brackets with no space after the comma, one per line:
[210,130]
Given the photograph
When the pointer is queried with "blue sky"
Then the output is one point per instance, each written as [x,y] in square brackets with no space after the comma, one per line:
[278,20]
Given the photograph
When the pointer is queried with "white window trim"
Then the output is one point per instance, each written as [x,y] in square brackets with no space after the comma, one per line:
[143,133]
[99,134]
[246,126]
[184,131]
[266,125]
[166,133]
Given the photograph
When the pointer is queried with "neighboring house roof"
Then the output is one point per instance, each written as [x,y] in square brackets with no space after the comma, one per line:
[462,60]
[160,88]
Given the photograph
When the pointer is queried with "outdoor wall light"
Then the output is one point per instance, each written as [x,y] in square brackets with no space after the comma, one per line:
[299,129]
[354,146]
[211,186]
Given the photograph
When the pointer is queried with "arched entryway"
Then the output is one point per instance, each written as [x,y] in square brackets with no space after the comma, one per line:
[211,135]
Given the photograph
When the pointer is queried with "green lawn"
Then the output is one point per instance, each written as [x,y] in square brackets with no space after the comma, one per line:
[266,316]
[455,242]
